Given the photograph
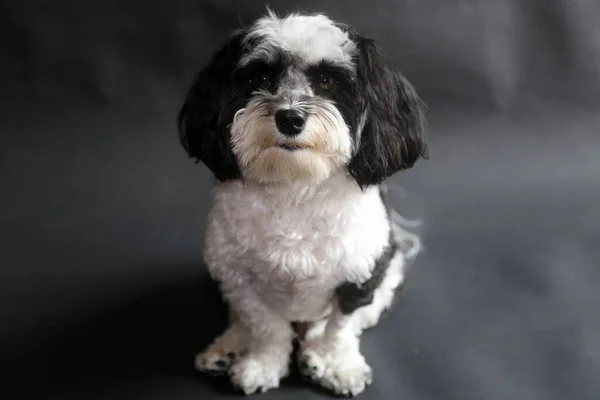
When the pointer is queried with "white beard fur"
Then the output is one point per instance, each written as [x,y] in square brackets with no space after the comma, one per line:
[325,136]
[279,252]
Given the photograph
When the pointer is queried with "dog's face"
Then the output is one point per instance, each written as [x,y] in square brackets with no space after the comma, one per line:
[299,98]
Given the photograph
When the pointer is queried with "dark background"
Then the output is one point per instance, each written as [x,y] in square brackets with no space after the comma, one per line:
[102,292]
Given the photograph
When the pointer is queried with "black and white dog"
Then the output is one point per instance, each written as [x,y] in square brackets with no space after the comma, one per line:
[301,120]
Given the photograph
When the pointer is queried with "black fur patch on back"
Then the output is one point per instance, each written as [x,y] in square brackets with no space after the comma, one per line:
[352,296]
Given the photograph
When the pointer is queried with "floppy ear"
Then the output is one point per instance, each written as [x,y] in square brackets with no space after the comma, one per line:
[203,120]
[393,135]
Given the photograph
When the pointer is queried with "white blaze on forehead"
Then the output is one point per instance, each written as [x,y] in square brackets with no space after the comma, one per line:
[313,38]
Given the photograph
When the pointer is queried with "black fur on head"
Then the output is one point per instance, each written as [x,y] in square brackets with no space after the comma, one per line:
[393,136]
[379,105]
[208,110]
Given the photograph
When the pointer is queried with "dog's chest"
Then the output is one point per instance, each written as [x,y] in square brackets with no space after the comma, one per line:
[297,245]
[294,256]
[294,251]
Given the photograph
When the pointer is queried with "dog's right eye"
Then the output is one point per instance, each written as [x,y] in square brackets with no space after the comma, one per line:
[326,82]
[261,80]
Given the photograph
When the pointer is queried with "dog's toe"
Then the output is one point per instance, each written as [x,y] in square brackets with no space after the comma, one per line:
[251,375]
[345,373]
[213,363]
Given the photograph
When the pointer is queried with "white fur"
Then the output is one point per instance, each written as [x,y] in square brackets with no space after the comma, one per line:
[311,37]
[224,350]
[298,240]
[279,252]
[330,353]
[333,359]
[325,140]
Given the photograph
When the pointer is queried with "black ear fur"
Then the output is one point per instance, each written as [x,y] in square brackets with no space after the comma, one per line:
[204,117]
[393,137]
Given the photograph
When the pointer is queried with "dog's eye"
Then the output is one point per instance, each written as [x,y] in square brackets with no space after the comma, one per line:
[262,80]
[326,82]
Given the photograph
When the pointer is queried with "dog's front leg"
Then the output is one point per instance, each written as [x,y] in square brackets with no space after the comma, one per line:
[332,359]
[268,344]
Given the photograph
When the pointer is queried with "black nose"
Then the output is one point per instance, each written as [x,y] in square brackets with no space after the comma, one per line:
[289,122]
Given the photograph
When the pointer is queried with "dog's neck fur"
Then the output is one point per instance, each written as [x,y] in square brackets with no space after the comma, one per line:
[340,184]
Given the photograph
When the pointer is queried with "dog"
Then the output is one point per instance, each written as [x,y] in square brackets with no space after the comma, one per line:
[301,120]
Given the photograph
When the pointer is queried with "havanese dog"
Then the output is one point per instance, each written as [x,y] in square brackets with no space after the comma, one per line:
[301,120]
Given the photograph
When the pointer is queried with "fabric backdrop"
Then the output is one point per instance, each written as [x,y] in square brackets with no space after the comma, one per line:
[102,289]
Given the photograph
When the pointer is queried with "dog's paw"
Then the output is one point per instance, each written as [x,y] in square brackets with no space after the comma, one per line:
[222,353]
[337,368]
[215,362]
[257,374]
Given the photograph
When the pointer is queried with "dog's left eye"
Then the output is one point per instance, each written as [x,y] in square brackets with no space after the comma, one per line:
[262,80]
[326,82]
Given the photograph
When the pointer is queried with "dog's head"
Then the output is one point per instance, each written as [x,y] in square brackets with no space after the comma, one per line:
[299,98]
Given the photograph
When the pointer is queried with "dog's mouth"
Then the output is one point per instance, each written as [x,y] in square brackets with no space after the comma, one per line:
[289,146]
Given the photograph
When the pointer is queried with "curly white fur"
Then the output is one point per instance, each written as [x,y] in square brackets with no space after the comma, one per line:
[279,253]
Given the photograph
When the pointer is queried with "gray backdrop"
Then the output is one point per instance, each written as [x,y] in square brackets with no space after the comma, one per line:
[102,291]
